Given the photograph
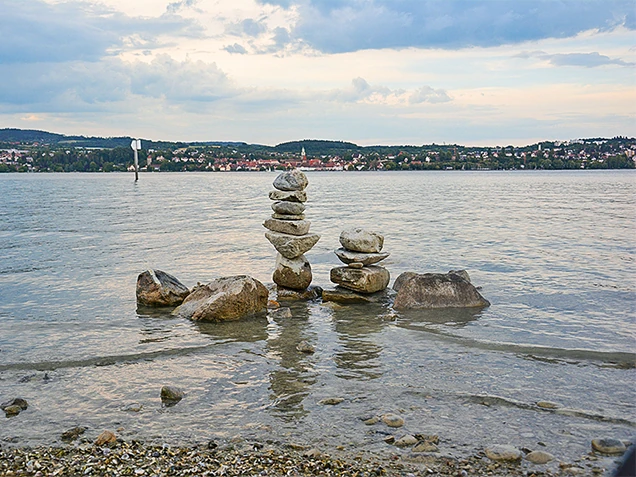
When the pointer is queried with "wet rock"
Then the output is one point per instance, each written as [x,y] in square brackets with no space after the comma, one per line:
[157,288]
[389,439]
[425,446]
[393,420]
[503,453]
[369,279]
[539,457]
[294,180]
[342,295]
[312,453]
[292,246]
[281,313]
[286,294]
[437,290]
[288,208]
[609,446]
[349,257]
[272,305]
[461,273]
[105,438]
[305,347]
[360,240]
[288,217]
[403,278]
[369,421]
[291,227]
[547,405]
[289,196]
[292,273]
[171,395]
[331,401]
[224,299]
[405,441]
[11,411]
[132,407]
[21,403]
[73,433]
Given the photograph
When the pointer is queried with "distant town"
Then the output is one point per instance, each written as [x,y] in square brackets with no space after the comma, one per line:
[40,151]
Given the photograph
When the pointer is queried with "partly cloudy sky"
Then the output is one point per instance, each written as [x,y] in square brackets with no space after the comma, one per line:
[474,72]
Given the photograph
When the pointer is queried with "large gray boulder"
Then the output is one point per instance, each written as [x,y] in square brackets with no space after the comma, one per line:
[291,227]
[360,240]
[289,196]
[224,299]
[436,290]
[288,208]
[157,288]
[292,273]
[369,279]
[291,181]
[347,256]
[292,246]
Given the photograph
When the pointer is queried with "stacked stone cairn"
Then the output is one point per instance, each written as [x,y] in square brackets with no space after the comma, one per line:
[361,250]
[289,231]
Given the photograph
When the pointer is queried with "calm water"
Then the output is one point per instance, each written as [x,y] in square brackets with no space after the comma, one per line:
[553,251]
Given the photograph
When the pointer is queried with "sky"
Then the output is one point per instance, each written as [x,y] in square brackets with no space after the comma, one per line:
[391,72]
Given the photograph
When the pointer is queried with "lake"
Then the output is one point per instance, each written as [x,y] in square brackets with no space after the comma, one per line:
[554,252]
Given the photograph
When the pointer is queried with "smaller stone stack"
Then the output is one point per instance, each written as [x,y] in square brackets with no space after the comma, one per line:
[360,251]
[289,231]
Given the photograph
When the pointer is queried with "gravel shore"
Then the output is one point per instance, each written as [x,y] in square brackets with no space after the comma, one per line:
[138,459]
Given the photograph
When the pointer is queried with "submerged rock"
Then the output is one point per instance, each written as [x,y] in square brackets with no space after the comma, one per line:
[224,299]
[405,441]
[345,296]
[360,240]
[278,313]
[331,401]
[287,294]
[105,438]
[437,290]
[73,433]
[157,288]
[11,411]
[305,347]
[369,279]
[171,395]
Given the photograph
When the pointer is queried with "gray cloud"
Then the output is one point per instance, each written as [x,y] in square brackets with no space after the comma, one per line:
[35,31]
[334,26]
[235,49]
[174,7]
[361,90]
[247,27]
[587,60]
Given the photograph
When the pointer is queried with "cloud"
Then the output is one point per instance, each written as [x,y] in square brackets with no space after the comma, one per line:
[336,26]
[586,60]
[247,27]
[36,31]
[361,91]
[174,7]
[235,49]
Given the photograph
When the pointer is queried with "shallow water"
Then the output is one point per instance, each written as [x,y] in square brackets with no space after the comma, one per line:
[553,252]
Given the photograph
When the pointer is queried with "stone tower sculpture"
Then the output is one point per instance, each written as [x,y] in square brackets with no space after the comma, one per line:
[289,231]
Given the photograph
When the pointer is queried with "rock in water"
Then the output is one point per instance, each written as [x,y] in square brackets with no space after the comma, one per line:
[105,438]
[157,288]
[72,434]
[19,402]
[405,441]
[224,299]
[347,256]
[171,395]
[292,246]
[369,279]
[291,181]
[501,453]
[539,457]
[393,420]
[437,290]
[288,208]
[609,446]
[292,273]
[403,278]
[287,294]
[293,196]
[359,240]
[291,227]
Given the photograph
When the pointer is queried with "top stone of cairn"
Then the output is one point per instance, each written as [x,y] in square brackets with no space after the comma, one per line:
[360,240]
[291,180]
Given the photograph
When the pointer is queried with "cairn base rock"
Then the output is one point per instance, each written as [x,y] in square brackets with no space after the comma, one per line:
[369,279]
[292,273]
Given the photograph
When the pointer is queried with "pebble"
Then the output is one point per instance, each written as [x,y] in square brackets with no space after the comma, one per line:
[331,401]
[393,420]
[21,403]
[406,441]
[105,438]
[171,395]
[608,446]
[11,411]
[73,433]
[503,452]
[305,347]
[369,421]
[547,405]
[539,457]
[133,407]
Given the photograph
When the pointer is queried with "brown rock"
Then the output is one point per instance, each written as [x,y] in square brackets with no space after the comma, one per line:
[369,279]
[292,273]
[437,290]
[289,196]
[157,288]
[224,299]
[105,438]
[287,294]
[291,227]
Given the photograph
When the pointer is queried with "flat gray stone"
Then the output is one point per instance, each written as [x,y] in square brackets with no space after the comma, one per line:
[344,296]
[539,457]
[289,196]
[369,279]
[288,217]
[291,181]
[348,257]
[292,273]
[288,208]
[405,441]
[291,227]
[360,240]
[292,246]
[608,446]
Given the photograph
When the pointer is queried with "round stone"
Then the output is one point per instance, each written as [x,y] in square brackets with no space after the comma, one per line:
[503,452]
[393,420]
[291,181]
[539,457]
[292,273]
[360,240]
[406,441]
[608,446]
[288,208]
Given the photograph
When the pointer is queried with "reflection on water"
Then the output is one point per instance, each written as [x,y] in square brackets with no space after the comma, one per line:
[453,317]
[290,382]
[248,330]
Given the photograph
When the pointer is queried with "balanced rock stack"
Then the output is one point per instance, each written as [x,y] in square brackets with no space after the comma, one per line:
[360,251]
[289,231]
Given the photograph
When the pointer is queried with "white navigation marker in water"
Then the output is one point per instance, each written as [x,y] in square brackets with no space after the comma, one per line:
[136,146]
